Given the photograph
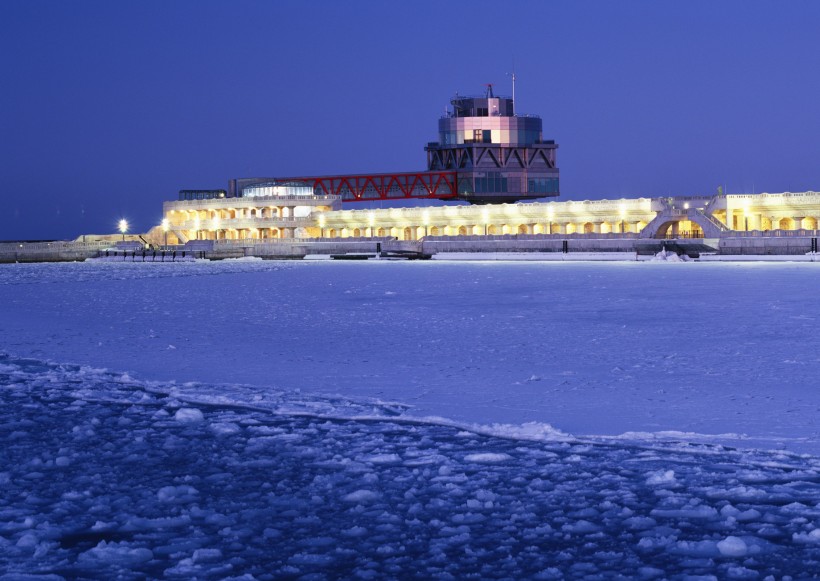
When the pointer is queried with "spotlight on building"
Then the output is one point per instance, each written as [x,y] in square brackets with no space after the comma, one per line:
[123,227]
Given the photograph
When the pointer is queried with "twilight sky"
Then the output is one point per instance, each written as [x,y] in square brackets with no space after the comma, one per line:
[107,109]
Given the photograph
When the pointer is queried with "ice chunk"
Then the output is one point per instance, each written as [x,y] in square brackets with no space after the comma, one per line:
[207,555]
[549,574]
[311,559]
[225,428]
[177,494]
[732,547]
[581,527]
[360,496]
[487,458]
[28,541]
[695,548]
[741,573]
[355,531]
[809,538]
[116,554]
[661,478]
[384,459]
[702,511]
[188,415]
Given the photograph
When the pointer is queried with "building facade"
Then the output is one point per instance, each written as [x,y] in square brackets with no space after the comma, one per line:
[310,217]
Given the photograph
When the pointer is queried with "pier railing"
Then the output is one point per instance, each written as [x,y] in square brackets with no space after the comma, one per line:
[56,245]
[802,233]
[257,241]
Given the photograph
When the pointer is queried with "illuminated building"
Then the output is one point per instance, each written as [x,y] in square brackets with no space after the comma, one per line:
[486,155]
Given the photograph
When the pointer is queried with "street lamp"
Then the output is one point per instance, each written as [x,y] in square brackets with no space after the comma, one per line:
[165,225]
[123,226]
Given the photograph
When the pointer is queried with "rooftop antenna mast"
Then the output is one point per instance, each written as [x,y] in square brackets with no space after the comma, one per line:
[513,84]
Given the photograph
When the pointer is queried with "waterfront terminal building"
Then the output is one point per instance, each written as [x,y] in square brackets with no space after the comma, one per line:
[309,216]
[503,175]
[495,162]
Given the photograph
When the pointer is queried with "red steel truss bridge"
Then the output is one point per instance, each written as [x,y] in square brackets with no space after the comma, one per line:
[389,186]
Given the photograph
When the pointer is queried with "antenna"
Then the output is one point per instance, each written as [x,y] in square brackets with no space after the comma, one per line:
[513,83]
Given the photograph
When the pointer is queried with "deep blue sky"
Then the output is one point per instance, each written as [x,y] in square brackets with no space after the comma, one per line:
[108,108]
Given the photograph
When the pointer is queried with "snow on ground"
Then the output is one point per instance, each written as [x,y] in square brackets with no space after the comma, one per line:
[653,350]
[430,420]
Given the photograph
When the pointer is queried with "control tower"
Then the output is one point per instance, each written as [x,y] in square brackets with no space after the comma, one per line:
[497,155]
[486,154]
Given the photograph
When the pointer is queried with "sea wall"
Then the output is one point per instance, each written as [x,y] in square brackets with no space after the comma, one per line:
[54,251]
[788,246]
[282,249]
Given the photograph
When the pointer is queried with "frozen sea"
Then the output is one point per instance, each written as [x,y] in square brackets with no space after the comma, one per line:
[321,420]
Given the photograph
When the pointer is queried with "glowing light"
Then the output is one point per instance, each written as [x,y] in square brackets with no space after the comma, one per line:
[123,226]
[686,205]
[166,225]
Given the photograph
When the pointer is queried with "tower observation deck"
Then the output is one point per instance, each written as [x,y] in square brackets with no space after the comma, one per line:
[485,154]
[498,156]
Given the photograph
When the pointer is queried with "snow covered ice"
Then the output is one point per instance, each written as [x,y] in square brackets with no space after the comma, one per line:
[266,420]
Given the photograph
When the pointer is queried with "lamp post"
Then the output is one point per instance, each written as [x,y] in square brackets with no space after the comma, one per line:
[123,227]
[165,225]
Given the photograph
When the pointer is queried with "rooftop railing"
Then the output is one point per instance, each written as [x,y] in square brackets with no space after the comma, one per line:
[249,200]
[233,223]
[452,115]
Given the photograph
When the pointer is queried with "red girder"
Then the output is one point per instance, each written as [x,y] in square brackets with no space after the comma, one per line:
[393,186]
